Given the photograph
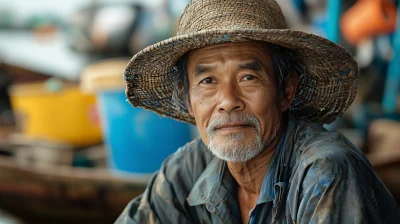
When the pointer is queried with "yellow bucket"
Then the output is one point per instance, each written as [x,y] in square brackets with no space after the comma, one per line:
[63,114]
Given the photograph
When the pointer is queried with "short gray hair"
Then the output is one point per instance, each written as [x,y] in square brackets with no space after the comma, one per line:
[284,62]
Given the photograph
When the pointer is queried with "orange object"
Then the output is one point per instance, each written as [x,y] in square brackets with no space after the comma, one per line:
[368,18]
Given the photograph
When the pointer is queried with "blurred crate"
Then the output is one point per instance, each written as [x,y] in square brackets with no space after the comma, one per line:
[56,112]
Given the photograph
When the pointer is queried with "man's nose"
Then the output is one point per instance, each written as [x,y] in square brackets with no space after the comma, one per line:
[230,99]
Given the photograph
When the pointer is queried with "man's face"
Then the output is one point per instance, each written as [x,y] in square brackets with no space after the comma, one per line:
[233,98]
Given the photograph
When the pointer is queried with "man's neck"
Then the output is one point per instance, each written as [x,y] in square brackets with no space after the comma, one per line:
[250,175]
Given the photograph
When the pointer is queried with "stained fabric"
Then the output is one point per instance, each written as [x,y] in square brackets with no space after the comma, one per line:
[315,176]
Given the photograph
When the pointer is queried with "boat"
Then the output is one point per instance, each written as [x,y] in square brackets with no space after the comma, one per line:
[48,193]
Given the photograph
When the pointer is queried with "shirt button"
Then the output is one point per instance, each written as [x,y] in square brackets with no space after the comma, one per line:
[203,197]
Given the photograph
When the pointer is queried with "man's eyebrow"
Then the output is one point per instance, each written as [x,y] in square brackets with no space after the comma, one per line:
[254,65]
[202,68]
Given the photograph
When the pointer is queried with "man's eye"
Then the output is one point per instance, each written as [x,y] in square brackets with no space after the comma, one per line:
[207,81]
[248,77]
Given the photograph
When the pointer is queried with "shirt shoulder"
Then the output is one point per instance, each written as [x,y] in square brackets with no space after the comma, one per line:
[187,163]
[326,154]
[332,173]
[164,200]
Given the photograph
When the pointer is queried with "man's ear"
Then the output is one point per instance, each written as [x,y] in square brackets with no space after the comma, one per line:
[290,86]
[189,108]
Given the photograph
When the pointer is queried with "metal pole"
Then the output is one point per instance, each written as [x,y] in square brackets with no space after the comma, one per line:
[391,90]
[333,9]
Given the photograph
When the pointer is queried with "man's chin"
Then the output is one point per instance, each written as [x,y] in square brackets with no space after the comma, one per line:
[233,143]
[235,151]
[234,137]
[234,140]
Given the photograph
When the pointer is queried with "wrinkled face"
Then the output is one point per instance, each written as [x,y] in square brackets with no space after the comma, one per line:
[233,98]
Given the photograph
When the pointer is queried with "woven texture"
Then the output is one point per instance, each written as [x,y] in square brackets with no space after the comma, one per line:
[322,95]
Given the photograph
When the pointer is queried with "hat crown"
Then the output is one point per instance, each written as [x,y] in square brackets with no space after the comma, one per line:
[202,15]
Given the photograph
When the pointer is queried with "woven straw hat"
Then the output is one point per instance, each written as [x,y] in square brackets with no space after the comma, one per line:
[323,94]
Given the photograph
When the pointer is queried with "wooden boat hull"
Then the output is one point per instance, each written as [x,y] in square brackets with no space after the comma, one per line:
[55,194]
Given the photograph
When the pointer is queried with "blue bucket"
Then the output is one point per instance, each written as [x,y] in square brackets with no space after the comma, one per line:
[138,140]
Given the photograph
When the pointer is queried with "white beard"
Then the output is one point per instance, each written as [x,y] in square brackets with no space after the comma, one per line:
[233,149]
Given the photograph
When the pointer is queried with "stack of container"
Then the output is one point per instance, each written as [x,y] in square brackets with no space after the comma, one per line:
[138,140]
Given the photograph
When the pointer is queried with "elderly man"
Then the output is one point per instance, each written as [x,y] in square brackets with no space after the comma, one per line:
[258,94]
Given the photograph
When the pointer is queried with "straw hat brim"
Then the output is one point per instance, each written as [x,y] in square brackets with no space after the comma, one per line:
[322,95]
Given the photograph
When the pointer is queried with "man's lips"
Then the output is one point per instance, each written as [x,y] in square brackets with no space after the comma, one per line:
[232,126]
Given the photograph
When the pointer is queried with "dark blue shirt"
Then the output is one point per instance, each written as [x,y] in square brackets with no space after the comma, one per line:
[315,176]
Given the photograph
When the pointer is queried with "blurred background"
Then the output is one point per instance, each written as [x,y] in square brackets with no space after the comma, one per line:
[73,150]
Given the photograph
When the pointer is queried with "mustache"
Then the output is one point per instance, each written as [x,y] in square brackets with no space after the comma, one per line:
[223,119]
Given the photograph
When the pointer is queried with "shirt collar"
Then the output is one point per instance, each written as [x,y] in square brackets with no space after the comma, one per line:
[273,174]
[216,182]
